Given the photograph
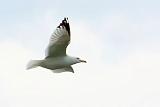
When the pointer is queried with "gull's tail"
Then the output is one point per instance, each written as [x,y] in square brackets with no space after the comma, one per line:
[33,63]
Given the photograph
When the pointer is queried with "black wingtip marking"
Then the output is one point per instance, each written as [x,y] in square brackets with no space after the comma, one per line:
[65,23]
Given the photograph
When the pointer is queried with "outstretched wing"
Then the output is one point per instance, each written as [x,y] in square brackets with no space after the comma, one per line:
[59,40]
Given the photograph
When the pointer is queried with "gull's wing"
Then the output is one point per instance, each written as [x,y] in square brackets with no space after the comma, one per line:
[59,40]
[69,68]
[66,69]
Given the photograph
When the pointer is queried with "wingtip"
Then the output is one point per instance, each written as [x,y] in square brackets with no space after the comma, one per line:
[65,20]
[65,23]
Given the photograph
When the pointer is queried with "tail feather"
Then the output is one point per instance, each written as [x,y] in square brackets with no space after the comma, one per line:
[33,63]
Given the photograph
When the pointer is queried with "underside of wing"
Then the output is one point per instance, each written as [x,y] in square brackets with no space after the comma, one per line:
[66,69]
[59,40]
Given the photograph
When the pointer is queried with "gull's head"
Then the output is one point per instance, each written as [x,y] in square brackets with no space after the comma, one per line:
[78,60]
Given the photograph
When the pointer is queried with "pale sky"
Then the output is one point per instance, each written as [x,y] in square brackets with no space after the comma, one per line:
[119,39]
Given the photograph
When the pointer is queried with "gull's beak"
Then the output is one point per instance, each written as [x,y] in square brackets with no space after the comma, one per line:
[83,61]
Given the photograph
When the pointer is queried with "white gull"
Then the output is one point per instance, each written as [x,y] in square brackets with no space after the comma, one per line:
[56,58]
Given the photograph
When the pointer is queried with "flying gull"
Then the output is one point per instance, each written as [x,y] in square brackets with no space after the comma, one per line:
[56,58]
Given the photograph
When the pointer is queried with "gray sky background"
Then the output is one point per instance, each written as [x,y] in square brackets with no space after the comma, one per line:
[119,39]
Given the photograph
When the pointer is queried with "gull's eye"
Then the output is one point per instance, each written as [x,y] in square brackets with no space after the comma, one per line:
[78,58]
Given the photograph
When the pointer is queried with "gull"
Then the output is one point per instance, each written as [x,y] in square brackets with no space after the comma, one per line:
[56,58]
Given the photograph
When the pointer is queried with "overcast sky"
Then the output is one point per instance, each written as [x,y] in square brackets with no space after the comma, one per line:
[120,40]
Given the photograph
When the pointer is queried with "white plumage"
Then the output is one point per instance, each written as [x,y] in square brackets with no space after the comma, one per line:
[56,58]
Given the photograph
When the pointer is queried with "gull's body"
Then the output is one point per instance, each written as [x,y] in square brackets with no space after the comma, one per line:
[56,58]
